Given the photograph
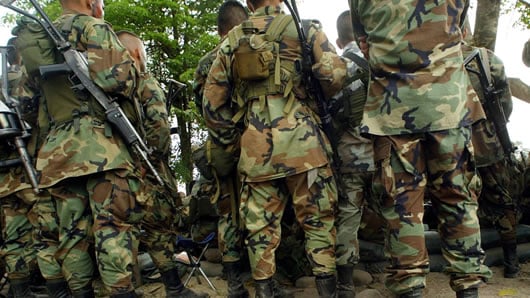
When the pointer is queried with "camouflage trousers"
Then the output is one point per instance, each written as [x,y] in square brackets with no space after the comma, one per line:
[353,191]
[117,215]
[498,199]
[47,237]
[18,251]
[313,195]
[405,165]
[72,250]
[229,227]
[159,224]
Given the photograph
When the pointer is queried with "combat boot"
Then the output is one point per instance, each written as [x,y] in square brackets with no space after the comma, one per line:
[345,286]
[20,288]
[175,288]
[326,286]
[57,288]
[414,293]
[236,288]
[271,288]
[511,261]
[467,293]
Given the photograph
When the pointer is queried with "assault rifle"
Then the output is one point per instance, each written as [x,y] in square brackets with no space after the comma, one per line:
[491,103]
[78,66]
[312,85]
[14,128]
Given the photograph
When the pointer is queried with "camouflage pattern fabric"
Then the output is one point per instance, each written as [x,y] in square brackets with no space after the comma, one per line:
[116,213]
[17,250]
[74,237]
[401,178]
[418,79]
[203,216]
[47,238]
[262,207]
[356,157]
[281,143]
[229,225]
[526,53]
[201,73]
[353,192]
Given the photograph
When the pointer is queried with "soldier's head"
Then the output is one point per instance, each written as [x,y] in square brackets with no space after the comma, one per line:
[135,47]
[255,4]
[95,8]
[231,13]
[344,29]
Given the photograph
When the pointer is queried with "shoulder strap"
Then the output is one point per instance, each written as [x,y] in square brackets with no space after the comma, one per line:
[66,28]
[277,26]
[361,62]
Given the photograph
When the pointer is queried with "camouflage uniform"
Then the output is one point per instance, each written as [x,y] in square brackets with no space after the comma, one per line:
[227,200]
[500,174]
[87,167]
[419,110]
[158,202]
[283,152]
[17,197]
[356,168]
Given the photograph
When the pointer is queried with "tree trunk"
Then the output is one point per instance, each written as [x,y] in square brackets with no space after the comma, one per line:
[519,89]
[487,20]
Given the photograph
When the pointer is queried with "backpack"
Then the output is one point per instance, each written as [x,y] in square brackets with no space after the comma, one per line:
[35,46]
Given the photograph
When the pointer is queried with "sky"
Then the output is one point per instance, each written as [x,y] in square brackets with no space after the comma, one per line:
[510,41]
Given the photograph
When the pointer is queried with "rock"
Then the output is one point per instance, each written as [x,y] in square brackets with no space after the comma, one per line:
[369,293]
[305,282]
[213,255]
[362,278]
[212,269]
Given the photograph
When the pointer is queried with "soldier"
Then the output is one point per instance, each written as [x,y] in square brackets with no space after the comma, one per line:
[355,159]
[280,150]
[526,53]
[85,164]
[226,198]
[499,171]
[156,200]
[419,110]
[17,197]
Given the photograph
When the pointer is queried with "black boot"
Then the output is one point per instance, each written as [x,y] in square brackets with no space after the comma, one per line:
[271,288]
[511,261]
[57,288]
[326,286]
[175,288]
[20,288]
[467,293]
[345,287]
[414,293]
[236,288]
[85,292]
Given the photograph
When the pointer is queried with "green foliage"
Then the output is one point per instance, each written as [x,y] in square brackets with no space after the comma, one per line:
[523,7]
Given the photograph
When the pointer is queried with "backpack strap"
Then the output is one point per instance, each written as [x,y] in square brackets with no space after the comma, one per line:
[274,33]
[66,28]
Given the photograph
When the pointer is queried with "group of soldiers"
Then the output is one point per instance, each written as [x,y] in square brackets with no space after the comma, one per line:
[407,127]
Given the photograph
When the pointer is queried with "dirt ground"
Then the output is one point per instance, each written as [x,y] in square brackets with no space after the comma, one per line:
[437,286]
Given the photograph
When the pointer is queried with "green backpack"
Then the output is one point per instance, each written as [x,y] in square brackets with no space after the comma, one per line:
[35,46]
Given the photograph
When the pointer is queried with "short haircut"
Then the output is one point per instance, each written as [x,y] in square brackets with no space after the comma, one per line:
[230,14]
[255,2]
[345,27]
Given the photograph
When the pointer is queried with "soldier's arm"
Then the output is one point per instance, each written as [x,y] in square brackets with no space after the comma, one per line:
[217,108]
[109,63]
[156,123]
[501,83]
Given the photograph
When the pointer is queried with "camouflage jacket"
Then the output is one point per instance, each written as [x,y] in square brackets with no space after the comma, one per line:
[354,151]
[156,127]
[418,83]
[80,141]
[201,73]
[281,136]
[486,145]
